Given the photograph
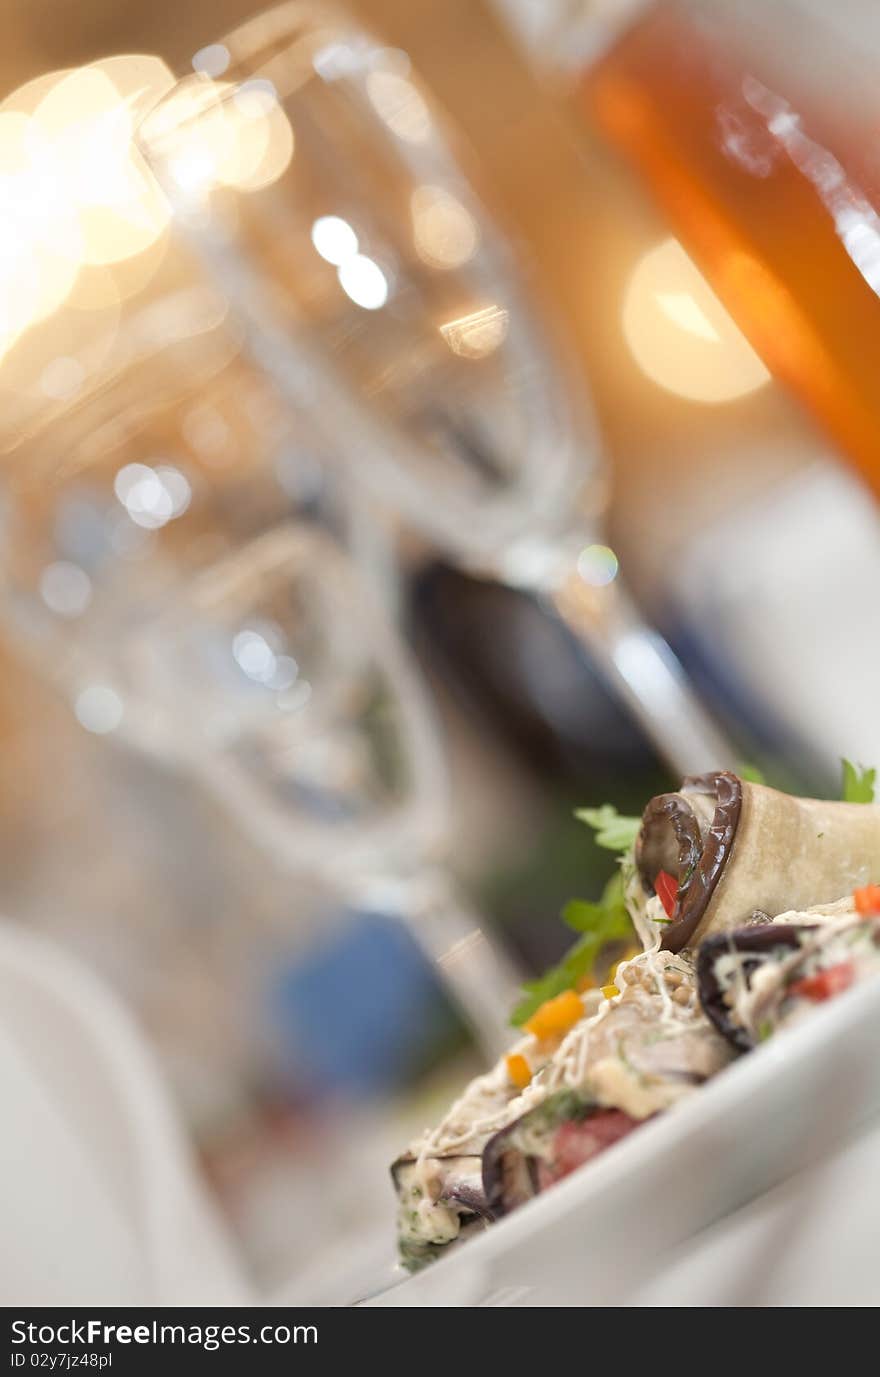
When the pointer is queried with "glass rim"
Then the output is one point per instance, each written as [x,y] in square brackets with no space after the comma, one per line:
[556,400]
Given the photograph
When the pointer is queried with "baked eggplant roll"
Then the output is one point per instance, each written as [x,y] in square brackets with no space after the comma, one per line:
[440,1200]
[438,1180]
[756,980]
[733,849]
[547,1144]
[629,1054]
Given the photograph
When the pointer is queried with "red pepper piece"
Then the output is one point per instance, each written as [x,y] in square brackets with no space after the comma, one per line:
[825,984]
[666,887]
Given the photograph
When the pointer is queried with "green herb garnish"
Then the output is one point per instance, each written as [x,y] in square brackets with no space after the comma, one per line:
[613,832]
[765,1030]
[858,783]
[598,924]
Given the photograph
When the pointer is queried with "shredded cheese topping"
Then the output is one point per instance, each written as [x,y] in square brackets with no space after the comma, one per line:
[490,1102]
[755,983]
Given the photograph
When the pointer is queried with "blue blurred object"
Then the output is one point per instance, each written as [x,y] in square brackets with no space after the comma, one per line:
[358,1013]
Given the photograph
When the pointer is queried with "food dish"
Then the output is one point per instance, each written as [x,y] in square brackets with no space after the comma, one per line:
[761,979]
[621,1061]
[706,872]
[737,848]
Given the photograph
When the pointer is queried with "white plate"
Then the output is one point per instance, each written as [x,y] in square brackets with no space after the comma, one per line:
[595,1236]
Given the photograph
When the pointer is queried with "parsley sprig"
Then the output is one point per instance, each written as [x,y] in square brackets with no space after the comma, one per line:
[858,783]
[613,832]
[598,924]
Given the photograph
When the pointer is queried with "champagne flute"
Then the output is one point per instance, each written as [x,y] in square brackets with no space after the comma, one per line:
[374,289]
[155,571]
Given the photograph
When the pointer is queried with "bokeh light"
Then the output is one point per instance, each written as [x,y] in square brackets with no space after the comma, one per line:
[598,565]
[264,138]
[152,496]
[364,282]
[680,334]
[40,241]
[257,654]
[211,61]
[444,232]
[62,378]
[211,134]
[75,193]
[89,127]
[397,102]
[99,709]
[65,588]
[334,239]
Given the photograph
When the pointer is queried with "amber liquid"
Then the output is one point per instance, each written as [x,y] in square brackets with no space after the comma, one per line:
[773,186]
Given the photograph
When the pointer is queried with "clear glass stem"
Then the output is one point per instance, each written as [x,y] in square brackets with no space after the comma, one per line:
[473,966]
[642,670]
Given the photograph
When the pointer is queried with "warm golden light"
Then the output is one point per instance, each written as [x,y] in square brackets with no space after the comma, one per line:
[103,285]
[681,335]
[36,272]
[88,125]
[74,193]
[141,79]
[78,203]
[445,233]
[188,132]
[264,138]
[210,134]
[62,377]
[25,99]
[684,311]
[245,123]
[54,357]
[477,334]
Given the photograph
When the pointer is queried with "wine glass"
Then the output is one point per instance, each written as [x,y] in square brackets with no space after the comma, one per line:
[312,173]
[154,568]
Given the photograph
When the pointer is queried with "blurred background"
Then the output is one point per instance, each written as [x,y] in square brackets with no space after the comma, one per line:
[291,678]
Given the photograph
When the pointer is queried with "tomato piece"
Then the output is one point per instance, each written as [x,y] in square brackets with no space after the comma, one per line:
[825,984]
[579,1140]
[666,887]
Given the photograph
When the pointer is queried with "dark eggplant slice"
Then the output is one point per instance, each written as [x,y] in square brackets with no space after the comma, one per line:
[671,839]
[454,1191]
[523,1159]
[757,939]
[471,1200]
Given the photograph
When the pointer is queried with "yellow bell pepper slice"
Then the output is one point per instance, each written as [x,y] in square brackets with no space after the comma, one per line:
[555,1016]
[518,1070]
